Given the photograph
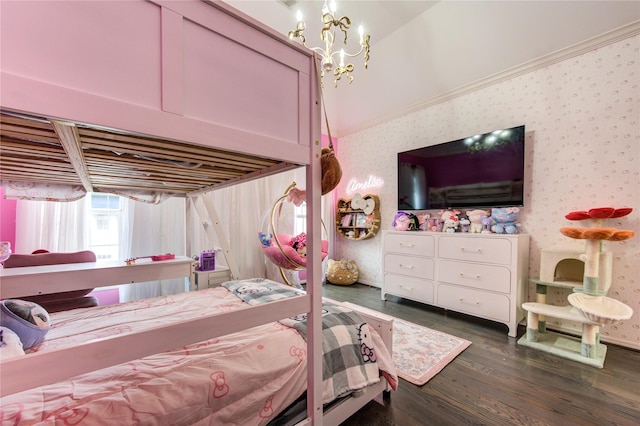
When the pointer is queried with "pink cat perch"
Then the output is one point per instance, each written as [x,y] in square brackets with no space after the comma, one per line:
[588,304]
[594,237]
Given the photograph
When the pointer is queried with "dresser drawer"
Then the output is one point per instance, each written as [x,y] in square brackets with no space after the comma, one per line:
[486,250]
[408,243]
[483,277]
[409,287]
[474,302]
[419,267]
[210,279]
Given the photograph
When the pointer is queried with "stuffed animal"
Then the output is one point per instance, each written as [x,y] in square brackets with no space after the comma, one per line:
[423,220]
[343,272]
[404,221]
[299,242]
[331,170]
[505,220]
[433,224]
[265,239]
[487,223]
[449,219]
[297,196]
[28,320]
[10,344]
[475,217]
[465,223]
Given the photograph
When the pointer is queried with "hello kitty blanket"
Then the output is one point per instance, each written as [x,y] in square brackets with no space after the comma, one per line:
[244,378]
[345,337]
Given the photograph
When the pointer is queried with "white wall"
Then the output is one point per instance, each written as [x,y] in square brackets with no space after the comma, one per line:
[583,151]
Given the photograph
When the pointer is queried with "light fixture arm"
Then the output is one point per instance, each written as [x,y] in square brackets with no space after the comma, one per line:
[327,34]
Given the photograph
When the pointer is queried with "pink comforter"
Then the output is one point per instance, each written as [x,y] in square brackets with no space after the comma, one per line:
[244,379]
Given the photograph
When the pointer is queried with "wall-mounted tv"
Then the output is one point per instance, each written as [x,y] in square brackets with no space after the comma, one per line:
[485,170]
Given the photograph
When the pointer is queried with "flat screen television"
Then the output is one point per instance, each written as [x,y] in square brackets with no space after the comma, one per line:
[480,171]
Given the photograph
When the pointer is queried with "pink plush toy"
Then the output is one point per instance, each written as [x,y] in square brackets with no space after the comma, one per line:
[404,221]
[299,242]
[297,196]
[475,217]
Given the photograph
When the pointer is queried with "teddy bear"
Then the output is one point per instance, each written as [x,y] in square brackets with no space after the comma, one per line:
[475,217]
[505,220]
[342,272]
[449,219]
[331,170]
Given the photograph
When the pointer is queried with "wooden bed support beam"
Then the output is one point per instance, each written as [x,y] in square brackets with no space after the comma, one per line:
[70,139]
[208,214]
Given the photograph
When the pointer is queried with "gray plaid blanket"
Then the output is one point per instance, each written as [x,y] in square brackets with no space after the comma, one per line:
[349,360]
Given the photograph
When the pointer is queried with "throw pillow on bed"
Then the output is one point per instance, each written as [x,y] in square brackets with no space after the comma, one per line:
[28,320]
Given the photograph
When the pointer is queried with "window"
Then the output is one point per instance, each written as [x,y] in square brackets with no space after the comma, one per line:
[300,224]
[105,225]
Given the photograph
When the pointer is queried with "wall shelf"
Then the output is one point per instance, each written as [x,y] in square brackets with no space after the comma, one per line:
[353,223]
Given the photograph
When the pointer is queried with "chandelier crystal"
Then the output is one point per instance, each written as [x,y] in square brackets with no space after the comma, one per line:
[333,62]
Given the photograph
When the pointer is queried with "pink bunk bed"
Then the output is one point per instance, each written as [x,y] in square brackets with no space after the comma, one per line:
[156,98]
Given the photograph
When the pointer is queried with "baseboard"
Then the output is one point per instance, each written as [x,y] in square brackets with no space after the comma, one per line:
[369,283]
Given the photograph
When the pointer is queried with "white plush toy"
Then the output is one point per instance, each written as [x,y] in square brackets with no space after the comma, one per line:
[475,217]
[10,344]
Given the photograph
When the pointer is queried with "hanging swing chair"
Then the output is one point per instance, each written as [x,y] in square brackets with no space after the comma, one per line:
[286,251]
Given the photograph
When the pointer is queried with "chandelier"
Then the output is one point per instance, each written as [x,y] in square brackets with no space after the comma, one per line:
[330,25]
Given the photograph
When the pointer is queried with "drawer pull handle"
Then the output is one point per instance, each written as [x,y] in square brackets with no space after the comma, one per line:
[478,250]
[407,245]
[406,266]
[469,276]
[476,303]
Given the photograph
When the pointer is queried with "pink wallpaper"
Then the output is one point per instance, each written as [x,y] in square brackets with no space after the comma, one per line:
[7,220]
[582,151]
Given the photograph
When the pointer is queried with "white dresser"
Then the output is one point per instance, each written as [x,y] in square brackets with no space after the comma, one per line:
[483,275]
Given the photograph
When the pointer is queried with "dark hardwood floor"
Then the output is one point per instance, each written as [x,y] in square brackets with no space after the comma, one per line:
[497,382]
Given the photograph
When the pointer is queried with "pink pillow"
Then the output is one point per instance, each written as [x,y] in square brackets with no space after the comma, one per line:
[60,300]
[278,257]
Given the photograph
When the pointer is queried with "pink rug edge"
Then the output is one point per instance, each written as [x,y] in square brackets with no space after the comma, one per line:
[422,380]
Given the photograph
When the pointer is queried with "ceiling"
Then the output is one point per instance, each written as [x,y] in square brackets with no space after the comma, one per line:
[425,52]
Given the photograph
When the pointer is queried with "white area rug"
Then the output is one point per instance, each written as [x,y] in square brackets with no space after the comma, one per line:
[420,353]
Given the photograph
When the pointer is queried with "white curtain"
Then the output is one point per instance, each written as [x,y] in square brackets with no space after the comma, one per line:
[153,229]
[243,210]
[149,229]
[51,226]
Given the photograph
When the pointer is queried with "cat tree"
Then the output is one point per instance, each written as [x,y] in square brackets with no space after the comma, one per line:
[588,304]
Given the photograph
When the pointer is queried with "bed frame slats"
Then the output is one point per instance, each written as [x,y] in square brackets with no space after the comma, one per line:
[36,149]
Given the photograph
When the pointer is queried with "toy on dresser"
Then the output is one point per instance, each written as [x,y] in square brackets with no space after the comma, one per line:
[423,220]
[449,220]
[476,217]
[465,223]
[404,221]
[505,220]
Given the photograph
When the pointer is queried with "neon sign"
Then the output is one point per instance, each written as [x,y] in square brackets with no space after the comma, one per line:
[371,182]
